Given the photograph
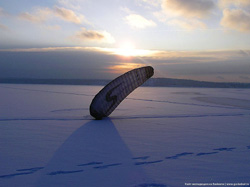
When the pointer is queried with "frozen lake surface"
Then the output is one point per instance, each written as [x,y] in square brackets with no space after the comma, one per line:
[156,137]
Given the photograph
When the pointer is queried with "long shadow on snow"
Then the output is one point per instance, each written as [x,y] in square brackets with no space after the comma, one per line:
[93,155]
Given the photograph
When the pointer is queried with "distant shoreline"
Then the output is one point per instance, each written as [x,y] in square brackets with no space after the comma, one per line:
[153,82]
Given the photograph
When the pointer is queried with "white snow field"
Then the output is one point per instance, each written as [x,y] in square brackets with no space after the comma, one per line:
[156,137]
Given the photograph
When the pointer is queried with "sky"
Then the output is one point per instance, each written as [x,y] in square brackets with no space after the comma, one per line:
[206,40]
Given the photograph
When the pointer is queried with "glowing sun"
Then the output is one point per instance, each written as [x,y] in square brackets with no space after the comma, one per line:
[127,49]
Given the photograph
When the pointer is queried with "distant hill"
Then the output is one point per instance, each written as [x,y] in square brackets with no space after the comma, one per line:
[153,82]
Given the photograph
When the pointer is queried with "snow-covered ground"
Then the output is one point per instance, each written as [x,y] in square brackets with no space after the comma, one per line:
[156,137]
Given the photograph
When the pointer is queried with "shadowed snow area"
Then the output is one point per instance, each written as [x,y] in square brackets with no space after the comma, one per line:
[156,137]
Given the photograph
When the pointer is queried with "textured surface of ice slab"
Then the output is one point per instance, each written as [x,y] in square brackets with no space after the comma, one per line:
[156,137]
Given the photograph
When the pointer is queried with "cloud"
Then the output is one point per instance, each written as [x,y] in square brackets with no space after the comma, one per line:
[55,63]
[237,3]
[138,21]
[236,14]
[40,15]
[190,8]
[127,10]
[53,27]
[203,65]
[67,62]
[72,4]
[92,35]
[244,77]
[220,77]
[154,3]
[67,15]
[236,19]
[200,57]
[35,18]
[190,24]
[1,11]
[185,14]
[3,27]
[161,16]
[50,49]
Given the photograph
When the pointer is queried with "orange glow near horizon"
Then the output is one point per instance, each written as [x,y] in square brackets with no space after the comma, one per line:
[123,67]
